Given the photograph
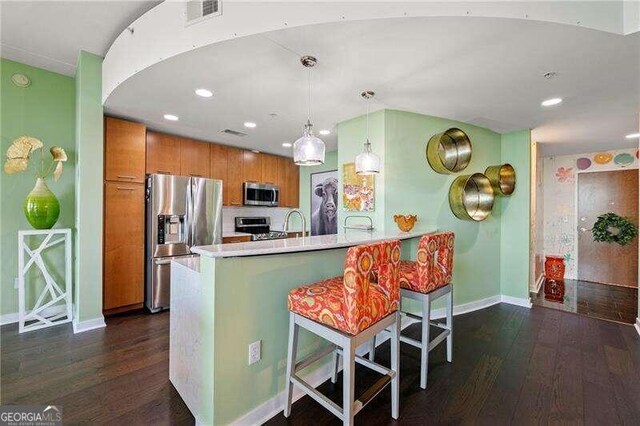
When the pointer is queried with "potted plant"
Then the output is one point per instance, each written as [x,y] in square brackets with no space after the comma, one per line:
[41,207]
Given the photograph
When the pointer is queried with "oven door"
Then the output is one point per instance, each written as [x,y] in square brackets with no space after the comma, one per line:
[258,194]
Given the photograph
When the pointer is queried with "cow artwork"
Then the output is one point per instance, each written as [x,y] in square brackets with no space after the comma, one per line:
[324,203]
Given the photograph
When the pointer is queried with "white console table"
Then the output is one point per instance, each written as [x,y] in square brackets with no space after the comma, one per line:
[53,305]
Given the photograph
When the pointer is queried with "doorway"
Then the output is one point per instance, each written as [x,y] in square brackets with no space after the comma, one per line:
[601,279]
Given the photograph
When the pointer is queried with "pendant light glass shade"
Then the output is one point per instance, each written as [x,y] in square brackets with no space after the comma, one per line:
[308,150]
[367,163]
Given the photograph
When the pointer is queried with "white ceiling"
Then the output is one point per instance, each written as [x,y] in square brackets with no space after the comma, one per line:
[484,71]
[49,34]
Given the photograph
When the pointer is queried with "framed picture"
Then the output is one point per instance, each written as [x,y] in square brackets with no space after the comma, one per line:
[358,192]
[324,203]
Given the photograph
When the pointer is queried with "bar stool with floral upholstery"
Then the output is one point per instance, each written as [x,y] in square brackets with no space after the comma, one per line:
[348,311]
[425,280]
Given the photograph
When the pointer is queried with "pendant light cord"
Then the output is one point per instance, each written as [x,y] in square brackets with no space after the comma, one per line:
[309,107]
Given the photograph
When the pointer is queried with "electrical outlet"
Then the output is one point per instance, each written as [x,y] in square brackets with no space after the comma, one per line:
[254,352]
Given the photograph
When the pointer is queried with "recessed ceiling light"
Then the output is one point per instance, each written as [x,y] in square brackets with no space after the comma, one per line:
[256,151]
[325,132]
[551,102]
[249,124]
[286,145]
[205,93]
[171,117]
[633,136]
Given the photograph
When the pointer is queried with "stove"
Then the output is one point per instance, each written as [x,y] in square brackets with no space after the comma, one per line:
[259,227]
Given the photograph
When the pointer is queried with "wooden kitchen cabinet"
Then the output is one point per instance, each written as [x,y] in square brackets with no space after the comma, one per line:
[123,275]
[252,164]
[235,175]
[270,164]
[289,182]
[124,150]
[219,166]
[163,154]
[194,158]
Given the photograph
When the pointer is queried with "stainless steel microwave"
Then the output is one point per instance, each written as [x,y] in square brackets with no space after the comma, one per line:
[260,194]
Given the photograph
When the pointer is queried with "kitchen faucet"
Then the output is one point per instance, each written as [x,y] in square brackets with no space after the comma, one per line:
[288,215]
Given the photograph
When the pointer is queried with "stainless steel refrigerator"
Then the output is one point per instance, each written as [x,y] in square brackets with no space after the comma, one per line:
[182,212]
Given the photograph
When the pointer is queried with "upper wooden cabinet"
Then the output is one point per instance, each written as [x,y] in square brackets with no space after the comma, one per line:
[235,176]
[194,158]
[218,163]
[252,164]
[289,182]
[270,165]
[124,150]
[163,154]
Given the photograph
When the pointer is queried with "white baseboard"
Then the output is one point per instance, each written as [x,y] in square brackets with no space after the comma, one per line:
[92,324]
[273,406]
[14,317]
[637,325]
[8,318]
[518,301]
[538,284]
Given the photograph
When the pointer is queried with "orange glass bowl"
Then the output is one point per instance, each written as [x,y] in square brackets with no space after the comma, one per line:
[405,221]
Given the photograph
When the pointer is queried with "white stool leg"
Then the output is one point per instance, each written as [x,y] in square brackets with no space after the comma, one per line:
[450,325]
[395,366]
[424,356]
[334,364]
[291,362]
[372,349]
[348,381]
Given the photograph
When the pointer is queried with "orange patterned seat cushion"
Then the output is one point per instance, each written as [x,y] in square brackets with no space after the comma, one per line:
[323,302]
[355,301]
[434,266]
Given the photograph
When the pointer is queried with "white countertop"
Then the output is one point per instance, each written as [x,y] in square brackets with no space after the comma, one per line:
[292,245]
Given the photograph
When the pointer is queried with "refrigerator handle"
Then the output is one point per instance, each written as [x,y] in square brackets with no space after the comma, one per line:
[189,228]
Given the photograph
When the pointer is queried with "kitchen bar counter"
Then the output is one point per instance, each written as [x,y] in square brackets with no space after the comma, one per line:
[301,244]
[236,294]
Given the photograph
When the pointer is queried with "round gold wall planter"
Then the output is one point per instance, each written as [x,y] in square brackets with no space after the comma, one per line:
[449,152]
[502,178]
[471,197]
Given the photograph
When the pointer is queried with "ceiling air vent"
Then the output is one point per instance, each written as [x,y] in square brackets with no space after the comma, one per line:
[199,10]
[234,133]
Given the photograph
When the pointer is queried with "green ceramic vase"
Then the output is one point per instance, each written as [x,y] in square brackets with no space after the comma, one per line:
[41,207]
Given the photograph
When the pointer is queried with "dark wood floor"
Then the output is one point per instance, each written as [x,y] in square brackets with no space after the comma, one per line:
[604,301]
[511,365]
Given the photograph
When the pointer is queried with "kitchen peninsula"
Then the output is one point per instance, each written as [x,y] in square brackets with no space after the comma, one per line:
[236,294]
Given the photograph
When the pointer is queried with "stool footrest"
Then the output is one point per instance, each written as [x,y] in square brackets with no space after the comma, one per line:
[313,358]
[432,344]
[371,393]
[335,409]
[372,365]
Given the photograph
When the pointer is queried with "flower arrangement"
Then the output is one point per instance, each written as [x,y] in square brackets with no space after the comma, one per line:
[19,154]
[41,207]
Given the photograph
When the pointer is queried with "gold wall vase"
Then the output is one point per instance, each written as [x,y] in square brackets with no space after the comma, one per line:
[449,152]
[471,197]
[502,178]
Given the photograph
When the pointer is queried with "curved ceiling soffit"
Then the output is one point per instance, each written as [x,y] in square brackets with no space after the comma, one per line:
[161,33]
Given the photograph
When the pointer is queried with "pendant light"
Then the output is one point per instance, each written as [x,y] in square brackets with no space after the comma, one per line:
[309,149]
[367,163]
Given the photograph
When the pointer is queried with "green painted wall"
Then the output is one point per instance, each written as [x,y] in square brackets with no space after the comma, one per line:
[89,188]
[330,163]
[44,110]
[515,212]
[414,188]
[351,137]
